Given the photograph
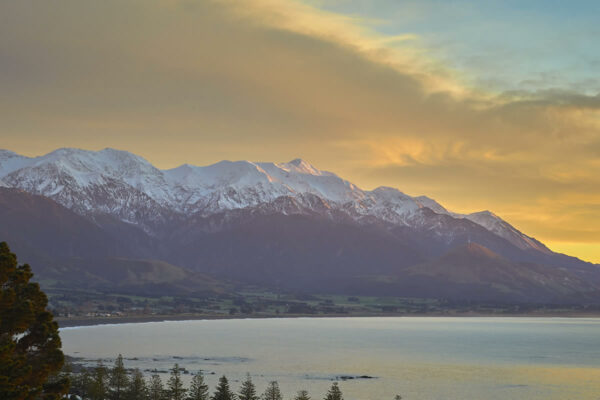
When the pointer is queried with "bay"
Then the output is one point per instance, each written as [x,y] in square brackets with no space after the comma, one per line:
[421,358]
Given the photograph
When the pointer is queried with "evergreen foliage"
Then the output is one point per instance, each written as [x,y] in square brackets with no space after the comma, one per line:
[223,391]
[302,395]
[175,389]
[198,389]
[137,389]
[272,392]
[248,390]
[98,389]
[156,390]
[334,393]
[119,380]
[98,384]
[30,347]
[81,383]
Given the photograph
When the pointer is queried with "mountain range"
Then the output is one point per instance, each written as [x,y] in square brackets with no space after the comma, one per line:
[83,217]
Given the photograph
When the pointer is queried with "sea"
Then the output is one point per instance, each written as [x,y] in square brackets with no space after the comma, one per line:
[417,358]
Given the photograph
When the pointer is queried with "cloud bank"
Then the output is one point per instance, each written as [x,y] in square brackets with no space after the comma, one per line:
[200,81]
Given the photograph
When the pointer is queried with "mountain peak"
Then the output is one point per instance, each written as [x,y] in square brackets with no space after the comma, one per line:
[7,154]
[484,213]
[127,182]
[111,151]
[65,151]
[390,193]
[297,161]
[301,166]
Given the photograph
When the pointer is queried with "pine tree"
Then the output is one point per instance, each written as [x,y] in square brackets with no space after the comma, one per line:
[156,390]
[65,375]
[223,391]
[248,390]
[29,342]
[272,392]
[137,389]
[119,380]
[81,383]
[198,389]
[98,389]
[175,390]
[334,393]
[302,395]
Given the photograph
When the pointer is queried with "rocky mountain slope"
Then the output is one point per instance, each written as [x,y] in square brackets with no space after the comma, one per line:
[128,187]
[281,224]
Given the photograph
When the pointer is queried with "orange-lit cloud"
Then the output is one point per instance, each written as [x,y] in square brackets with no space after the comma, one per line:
[199,81]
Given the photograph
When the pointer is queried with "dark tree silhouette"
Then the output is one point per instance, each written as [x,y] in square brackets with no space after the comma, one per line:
[223,391]
[272,392]
[137,389]
[156,390]
[98,389]
[175,389]
[30,347]
[334,393]
[248,390]
[302,395]
[198,389]
[119,381]
[81,383]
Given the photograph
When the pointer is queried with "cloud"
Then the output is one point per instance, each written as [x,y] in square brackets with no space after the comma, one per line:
[191,81]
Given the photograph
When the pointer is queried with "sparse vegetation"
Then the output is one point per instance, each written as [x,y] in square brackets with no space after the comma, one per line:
[82,306]
[101,383]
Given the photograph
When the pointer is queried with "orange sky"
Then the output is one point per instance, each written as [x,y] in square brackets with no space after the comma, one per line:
[201,81]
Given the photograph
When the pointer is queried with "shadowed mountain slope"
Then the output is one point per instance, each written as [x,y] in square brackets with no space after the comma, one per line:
[110,219]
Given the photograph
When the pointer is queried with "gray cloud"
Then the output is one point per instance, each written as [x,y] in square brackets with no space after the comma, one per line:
[185,81]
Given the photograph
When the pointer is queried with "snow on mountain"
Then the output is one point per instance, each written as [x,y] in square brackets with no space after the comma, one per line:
[433,205]
[10,161]
[388,204]
[238,184]
[130,188]
[108,181]
[495,224]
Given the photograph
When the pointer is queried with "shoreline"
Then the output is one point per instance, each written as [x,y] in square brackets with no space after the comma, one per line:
[95,321]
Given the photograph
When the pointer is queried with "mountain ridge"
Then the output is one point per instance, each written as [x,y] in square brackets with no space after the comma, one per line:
[73,177]
[282,225]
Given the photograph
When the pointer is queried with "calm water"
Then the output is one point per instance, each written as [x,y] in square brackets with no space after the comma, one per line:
[418,358]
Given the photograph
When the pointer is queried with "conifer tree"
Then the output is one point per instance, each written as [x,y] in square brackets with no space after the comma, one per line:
[156,390]
[198,389]
[334,393]
[29,342]
[302,395]
[65,375]
[272,392]
[98,389]
[81,383]
[119,381]
[223,391]
[137,389]
[175,389]
[248,390]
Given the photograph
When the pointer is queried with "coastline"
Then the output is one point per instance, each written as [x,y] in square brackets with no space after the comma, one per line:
[94,321]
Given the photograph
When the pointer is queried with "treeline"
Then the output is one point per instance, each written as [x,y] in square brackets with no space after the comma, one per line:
[118,383]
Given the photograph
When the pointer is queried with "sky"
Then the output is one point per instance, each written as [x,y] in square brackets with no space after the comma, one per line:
[482,105]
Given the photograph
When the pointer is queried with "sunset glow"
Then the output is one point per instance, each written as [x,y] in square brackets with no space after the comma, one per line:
[500,114]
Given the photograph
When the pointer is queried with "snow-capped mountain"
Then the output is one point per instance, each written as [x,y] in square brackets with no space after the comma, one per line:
[291,226]
[128,187]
